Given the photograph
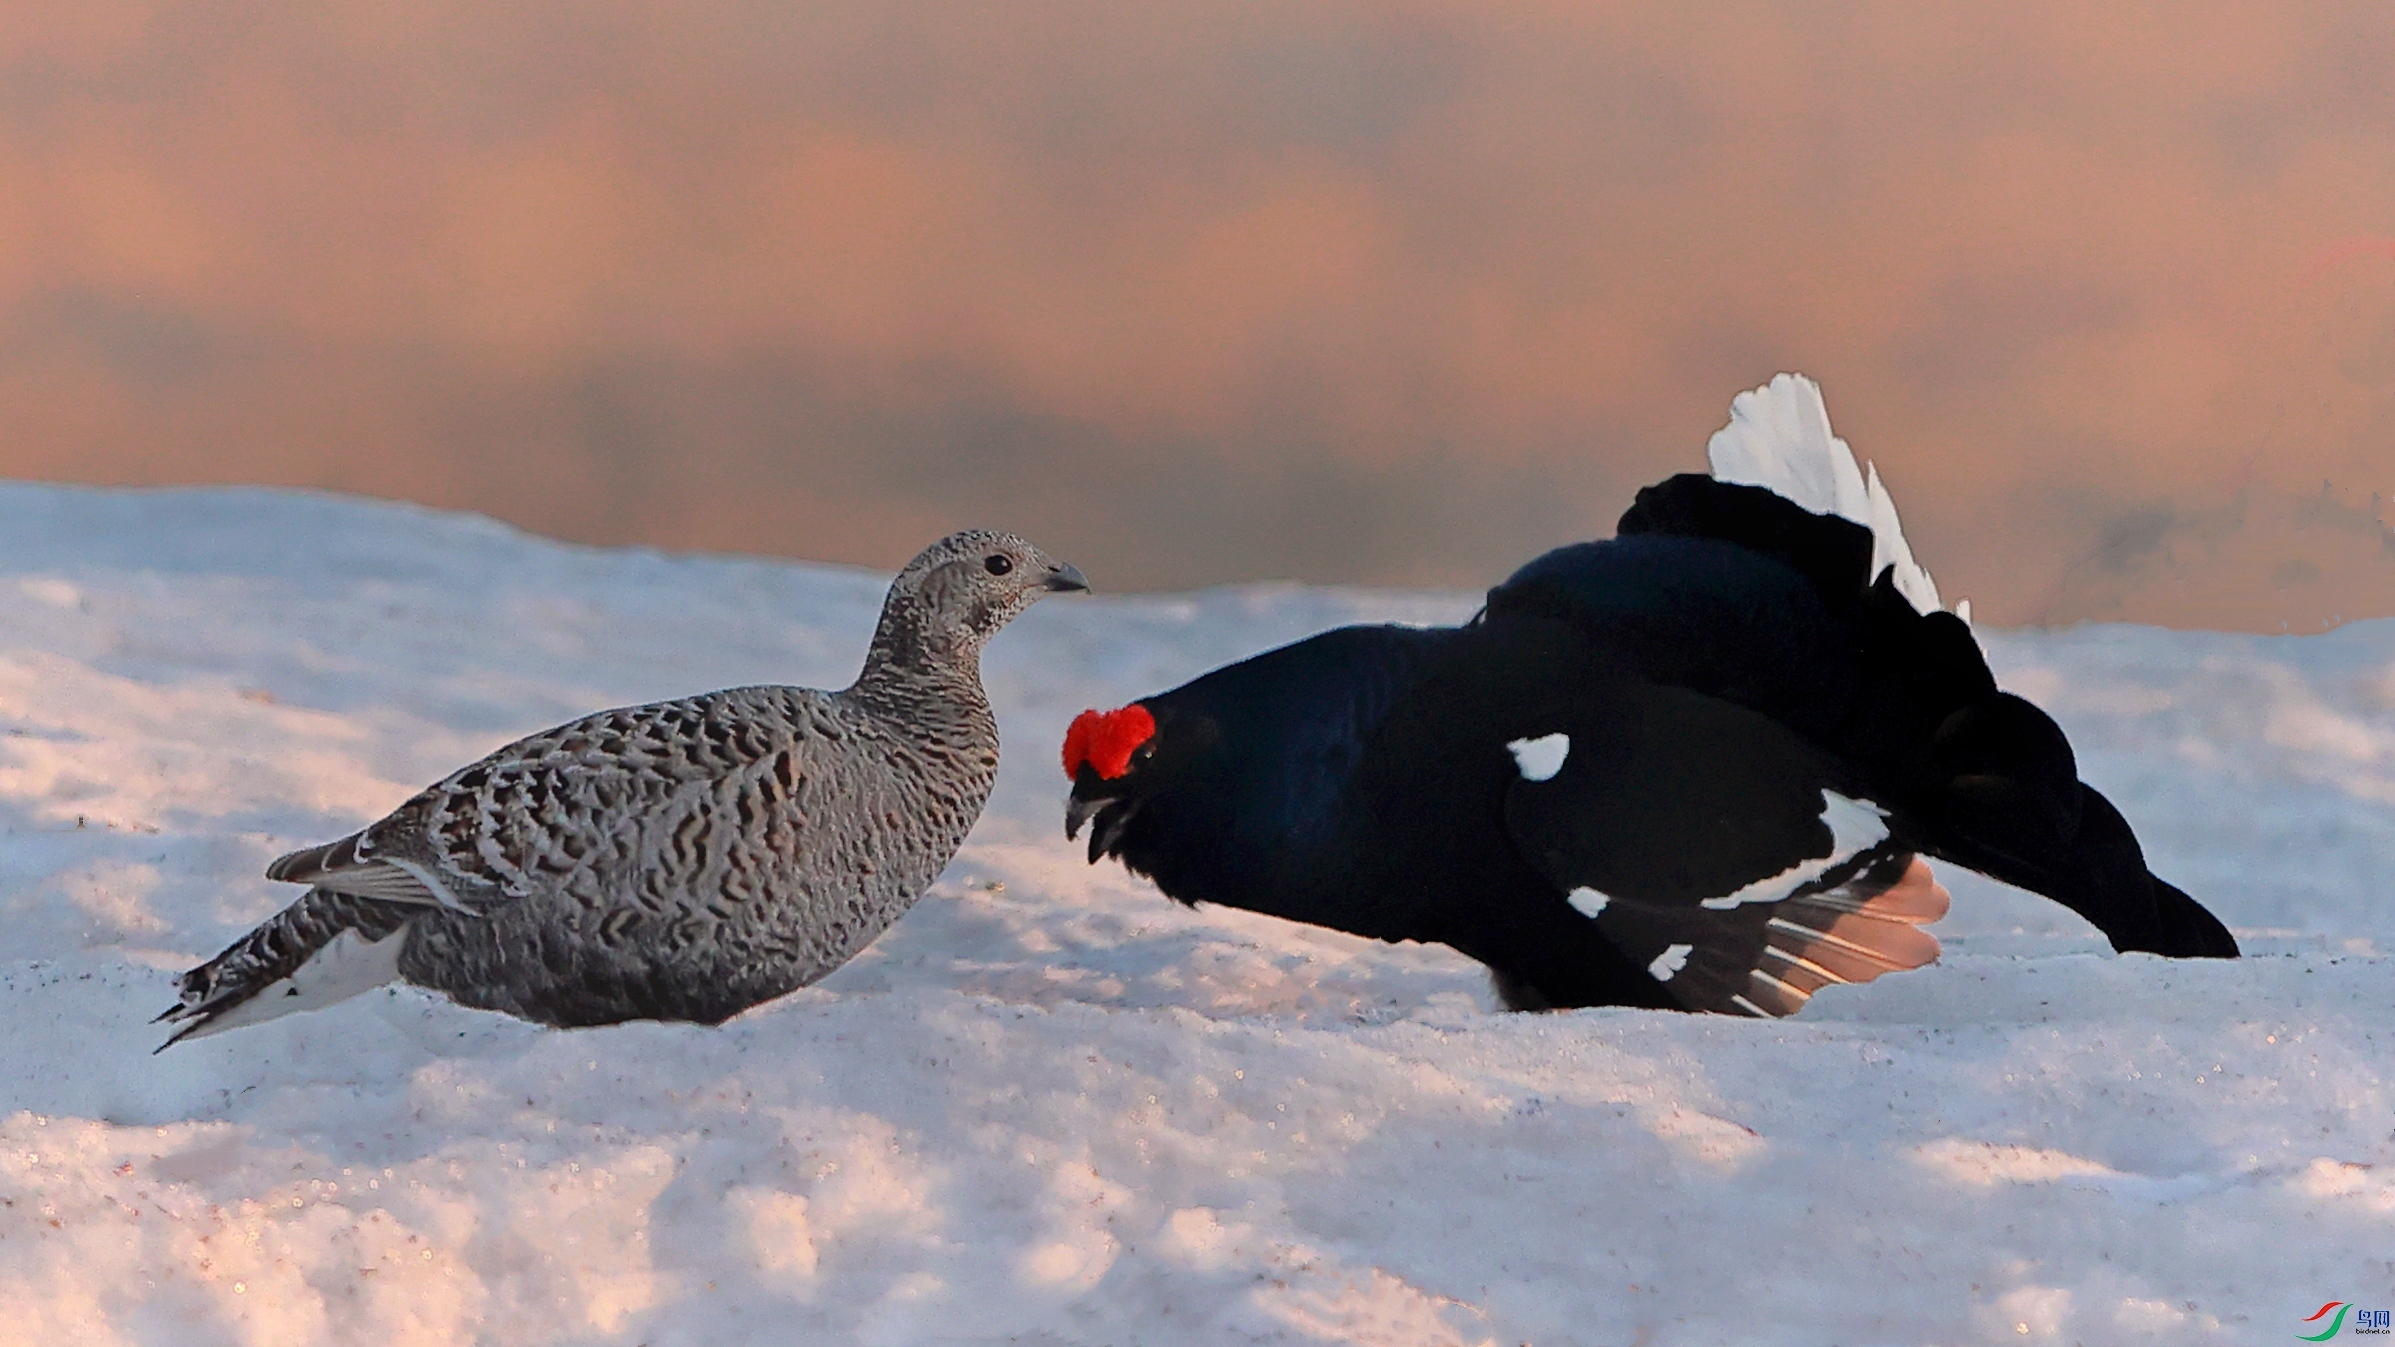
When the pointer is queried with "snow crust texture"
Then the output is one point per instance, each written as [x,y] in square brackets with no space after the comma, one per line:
[1050,1107]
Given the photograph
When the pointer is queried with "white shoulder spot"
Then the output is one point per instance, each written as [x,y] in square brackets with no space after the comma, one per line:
[1541,758]
[1855,826]
[1587,902]
[1668,964]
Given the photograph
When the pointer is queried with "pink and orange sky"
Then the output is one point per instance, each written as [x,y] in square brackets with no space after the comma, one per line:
[1214,291]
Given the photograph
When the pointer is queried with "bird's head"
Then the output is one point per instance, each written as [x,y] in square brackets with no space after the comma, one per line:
[959,591]
[1121,760]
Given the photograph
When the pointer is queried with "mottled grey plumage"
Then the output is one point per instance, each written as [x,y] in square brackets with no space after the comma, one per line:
[683,860]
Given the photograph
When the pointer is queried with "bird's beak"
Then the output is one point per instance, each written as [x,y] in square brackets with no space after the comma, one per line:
[1076,813]
[1111,816]
[1066,578]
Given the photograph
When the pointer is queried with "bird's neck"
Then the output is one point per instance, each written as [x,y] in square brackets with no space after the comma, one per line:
[912,642]
[909,664]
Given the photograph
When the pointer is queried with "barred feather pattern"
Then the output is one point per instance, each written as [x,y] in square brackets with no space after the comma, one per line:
[681,860]
[273,953]
[689,874]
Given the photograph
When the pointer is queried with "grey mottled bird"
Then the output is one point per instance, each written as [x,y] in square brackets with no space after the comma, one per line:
[679,861]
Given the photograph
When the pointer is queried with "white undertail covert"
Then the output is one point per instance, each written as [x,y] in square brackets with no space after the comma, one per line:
[1779,438]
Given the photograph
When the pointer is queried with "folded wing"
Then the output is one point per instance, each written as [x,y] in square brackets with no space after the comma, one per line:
[1718,851]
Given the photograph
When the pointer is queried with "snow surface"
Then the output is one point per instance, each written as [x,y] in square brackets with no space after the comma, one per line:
[1051,1107]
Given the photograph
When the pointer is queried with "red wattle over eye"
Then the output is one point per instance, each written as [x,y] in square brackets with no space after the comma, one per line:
[1106,739]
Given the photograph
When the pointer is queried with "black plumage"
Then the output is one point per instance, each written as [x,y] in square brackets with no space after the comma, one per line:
[1692,766]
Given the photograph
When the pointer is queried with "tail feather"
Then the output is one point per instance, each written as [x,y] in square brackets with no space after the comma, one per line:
[1779,438]
[2094,867]
[2001,792]
[2008,802]
[326,947]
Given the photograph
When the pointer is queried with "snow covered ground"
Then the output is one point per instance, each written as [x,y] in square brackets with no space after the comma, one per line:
[1051,1107]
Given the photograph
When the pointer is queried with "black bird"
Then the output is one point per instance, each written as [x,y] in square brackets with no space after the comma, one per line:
[1694,766]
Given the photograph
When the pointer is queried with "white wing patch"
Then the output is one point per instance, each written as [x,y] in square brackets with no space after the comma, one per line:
[1668,964]
[1588,902]
[348,964]
[1855,826]
[1779,438]
[1541,758]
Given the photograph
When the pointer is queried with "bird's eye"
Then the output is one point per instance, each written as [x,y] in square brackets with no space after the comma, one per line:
[998,564]
[1141,754]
